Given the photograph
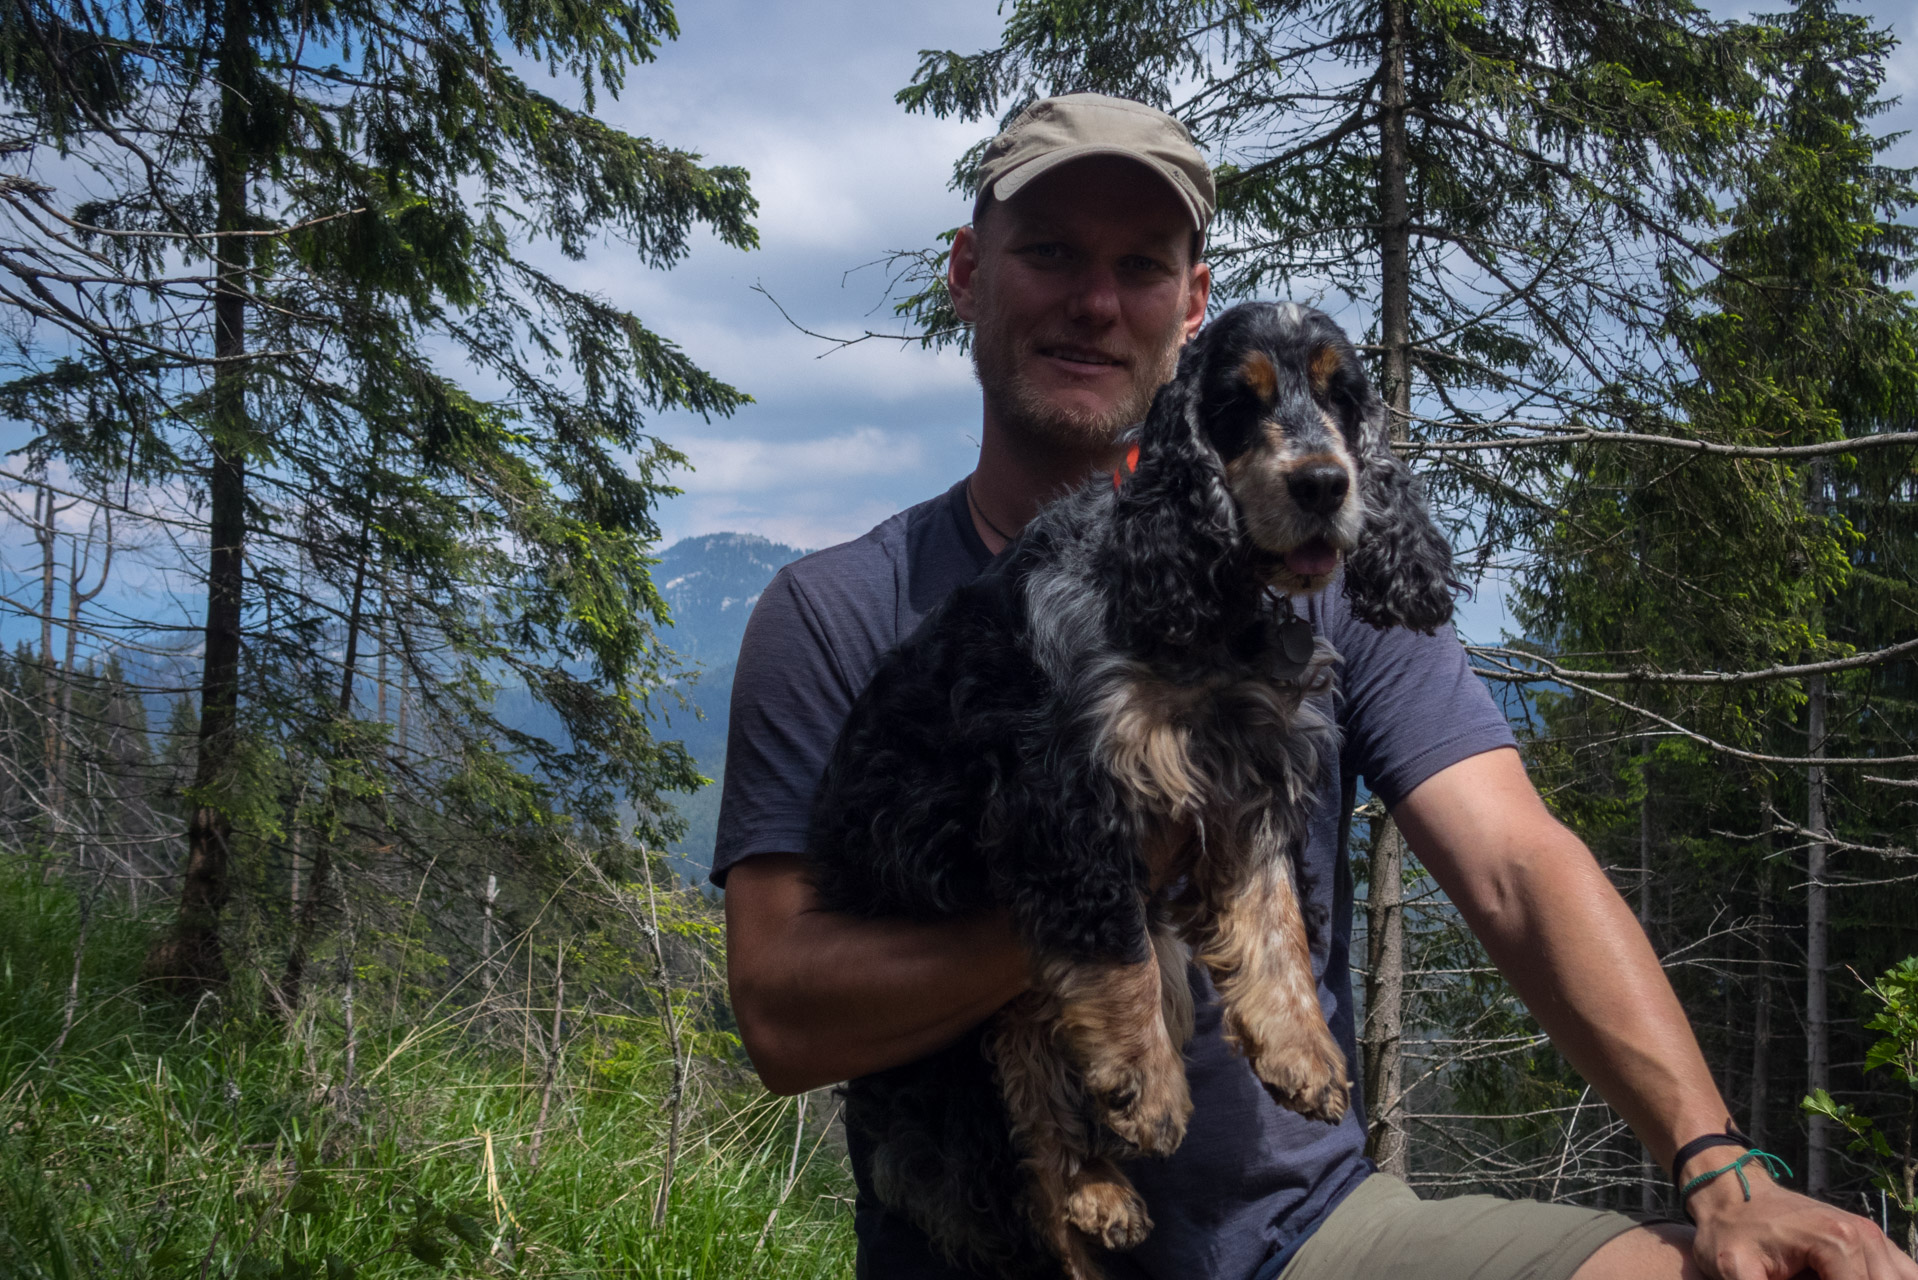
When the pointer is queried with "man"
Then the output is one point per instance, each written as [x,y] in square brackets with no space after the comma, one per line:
[1081,277]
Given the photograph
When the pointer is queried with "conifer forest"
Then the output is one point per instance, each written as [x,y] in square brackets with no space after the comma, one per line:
[343,733]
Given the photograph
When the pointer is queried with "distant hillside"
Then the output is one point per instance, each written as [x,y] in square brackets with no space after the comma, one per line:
[711,583]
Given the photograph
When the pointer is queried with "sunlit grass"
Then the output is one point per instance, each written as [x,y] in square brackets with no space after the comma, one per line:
[199,1141]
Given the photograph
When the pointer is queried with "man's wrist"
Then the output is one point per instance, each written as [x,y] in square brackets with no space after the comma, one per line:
[1727,1192]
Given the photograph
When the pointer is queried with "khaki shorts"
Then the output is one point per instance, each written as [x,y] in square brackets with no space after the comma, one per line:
[1383,1231]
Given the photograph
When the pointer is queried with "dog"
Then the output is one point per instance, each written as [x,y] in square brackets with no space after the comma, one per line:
[1128,670]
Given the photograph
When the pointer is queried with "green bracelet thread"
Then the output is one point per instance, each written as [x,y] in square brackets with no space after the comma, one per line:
[1772,1166]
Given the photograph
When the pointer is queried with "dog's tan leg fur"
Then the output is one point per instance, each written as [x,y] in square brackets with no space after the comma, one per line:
[1076,1197]
[1255,946]
[1114,1022]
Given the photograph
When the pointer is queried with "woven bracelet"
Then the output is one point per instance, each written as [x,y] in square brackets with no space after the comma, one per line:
[1731,1137]
[1773,1166]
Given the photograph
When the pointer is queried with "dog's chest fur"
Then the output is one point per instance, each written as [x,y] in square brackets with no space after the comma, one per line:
[1234,730]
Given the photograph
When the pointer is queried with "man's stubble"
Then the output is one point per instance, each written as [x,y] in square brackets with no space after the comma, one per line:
[1025,411]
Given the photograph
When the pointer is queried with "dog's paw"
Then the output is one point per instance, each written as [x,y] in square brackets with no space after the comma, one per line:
[1306,1075]
[1104,1206]
[1145,1102]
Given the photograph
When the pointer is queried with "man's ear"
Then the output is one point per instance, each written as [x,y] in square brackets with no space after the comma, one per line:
[1200,285]
[962,268]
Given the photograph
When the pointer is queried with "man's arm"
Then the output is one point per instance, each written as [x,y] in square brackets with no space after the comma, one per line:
[823,997]
[1558,930]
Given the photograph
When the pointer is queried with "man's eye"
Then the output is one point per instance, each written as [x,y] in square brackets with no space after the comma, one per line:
[1045,252]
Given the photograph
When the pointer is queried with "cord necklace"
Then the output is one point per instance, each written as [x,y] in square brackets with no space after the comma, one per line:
[981,511]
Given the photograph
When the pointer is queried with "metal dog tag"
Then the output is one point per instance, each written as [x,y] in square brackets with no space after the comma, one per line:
[1296,642]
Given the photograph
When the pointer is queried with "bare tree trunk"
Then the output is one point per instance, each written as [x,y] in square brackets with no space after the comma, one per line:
[46,533]
[676,1095]
[1385,912]
[1755,1123]
[400,720]
[308,923]
[1648,1174]
[87,905]
[78,566]
[192,956]
[552,1059]
[1385,999]
[1911,1198]
[1395,216]
[486,940]
[352,1028]
[1817,946]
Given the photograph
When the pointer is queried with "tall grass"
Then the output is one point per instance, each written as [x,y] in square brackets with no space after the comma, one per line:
[201,1141]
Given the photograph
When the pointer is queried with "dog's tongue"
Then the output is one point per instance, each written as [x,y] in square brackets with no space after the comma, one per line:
[1313,559]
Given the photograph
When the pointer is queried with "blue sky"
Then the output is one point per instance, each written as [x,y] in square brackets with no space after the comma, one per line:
[801,94]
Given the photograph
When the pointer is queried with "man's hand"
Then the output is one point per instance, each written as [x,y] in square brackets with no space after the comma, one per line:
[823,997]
[1568,944]
[1779,1234]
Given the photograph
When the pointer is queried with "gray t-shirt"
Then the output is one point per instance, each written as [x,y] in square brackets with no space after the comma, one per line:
[1252,1179]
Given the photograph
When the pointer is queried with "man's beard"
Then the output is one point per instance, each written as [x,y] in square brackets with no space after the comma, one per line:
[1025,410]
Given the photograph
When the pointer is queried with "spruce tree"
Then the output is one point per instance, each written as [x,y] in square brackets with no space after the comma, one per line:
[1799,334]
[309,263]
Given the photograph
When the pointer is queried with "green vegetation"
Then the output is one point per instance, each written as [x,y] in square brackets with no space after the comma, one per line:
[198,1138]
[1895,1052]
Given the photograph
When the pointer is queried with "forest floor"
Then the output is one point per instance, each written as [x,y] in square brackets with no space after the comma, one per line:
[209,1141]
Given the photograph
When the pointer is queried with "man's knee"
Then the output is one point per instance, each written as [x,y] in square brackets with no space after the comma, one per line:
[1656,1251]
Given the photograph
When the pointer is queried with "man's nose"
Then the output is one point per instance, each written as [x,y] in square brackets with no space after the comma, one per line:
[1095,296]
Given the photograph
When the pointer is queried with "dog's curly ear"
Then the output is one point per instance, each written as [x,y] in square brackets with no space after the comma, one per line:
[1400,574]
[1174,526]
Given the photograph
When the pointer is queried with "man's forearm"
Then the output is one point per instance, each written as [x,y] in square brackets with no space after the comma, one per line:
[1555,926]
[822,997]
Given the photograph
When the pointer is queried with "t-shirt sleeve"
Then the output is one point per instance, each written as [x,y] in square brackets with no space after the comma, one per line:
[789,700]
[1412,706]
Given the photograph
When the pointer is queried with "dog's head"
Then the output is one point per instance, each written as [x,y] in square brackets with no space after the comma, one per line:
[1276,394]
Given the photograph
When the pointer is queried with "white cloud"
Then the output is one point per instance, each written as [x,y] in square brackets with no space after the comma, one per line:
[741,466]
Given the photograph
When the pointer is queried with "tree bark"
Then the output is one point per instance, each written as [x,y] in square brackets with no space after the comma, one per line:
[1385,999]
[46,533]
[192,956]
[676,1093]
[307,926]
[552,1059]
[486,941]
[1817,947]
[77,599]
[1649,1176]
[1395,217]
[1385,912]
[1755,1125]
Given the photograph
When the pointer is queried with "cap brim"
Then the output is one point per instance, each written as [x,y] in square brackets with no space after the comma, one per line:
[1009,184]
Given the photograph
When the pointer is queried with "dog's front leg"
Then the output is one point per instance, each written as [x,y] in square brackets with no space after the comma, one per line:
[1252,939]
[1111,1014]
[1076,1196]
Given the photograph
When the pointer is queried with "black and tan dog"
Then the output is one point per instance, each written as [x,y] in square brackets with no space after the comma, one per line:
[1128,670]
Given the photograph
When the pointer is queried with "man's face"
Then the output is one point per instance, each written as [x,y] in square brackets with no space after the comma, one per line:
[1080,290]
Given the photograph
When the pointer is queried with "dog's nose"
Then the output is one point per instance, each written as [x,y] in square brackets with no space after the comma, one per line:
[1319,487]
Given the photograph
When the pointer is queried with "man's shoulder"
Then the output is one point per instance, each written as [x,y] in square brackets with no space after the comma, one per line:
[865,568]
[865,593]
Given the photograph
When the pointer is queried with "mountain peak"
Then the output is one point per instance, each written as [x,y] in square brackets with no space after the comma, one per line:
[711,583]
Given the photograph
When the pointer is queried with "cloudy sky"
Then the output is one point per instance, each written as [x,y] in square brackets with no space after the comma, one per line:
[801,95]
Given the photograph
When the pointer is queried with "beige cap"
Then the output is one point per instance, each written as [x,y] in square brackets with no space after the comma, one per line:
[1055,131]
